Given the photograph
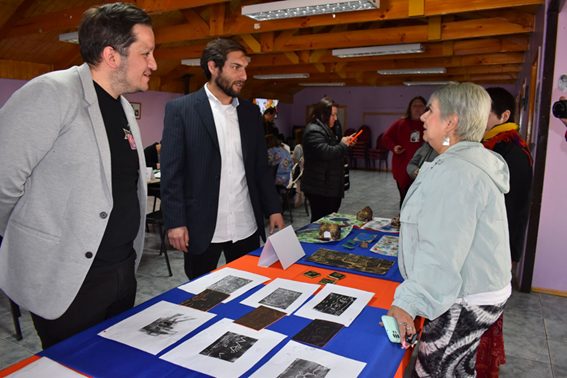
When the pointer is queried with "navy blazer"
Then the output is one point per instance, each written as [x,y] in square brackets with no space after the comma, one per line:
[191,167]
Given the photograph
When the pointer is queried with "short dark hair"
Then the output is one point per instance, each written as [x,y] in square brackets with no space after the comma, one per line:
[109,25]
[322,110]
[270,110]
[502,100]
[217,50]
[408,110]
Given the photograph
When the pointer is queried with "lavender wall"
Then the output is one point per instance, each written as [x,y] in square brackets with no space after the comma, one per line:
[377,107]
[551,259]
[7,87]
[153,108]
[152,105]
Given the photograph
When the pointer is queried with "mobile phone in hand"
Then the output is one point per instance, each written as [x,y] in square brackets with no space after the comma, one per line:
[392,329]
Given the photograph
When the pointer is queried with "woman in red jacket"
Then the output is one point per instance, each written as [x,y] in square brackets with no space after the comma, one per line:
[403,138]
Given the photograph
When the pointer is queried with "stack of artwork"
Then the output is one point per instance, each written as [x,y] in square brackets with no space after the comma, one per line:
[227,347]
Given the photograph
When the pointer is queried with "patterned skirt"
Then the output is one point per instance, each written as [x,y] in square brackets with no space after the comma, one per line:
[448,343]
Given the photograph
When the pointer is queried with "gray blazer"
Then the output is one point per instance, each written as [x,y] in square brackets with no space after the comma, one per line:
[55,189]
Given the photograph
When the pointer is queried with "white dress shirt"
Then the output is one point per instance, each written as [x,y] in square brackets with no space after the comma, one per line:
[235,215]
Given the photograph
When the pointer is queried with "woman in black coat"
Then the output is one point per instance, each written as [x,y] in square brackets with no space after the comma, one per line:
[323,175]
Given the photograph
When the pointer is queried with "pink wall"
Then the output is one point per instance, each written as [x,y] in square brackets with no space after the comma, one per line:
[377,107]
[551,256]
[152,105]
[153,108]
[7,87]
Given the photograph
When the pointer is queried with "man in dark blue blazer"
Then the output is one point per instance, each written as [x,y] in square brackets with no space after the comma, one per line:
[216,185]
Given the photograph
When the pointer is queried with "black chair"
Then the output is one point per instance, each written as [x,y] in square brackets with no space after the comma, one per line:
[16,314]
[285,198]
[156,218]
[379,154]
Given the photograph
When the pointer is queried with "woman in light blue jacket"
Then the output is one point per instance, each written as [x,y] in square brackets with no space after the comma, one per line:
[454,248]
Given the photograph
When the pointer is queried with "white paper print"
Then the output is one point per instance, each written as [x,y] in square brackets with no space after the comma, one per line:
[298,360]
[225,349]
[281,294]
[157,327]
[339,304]
[227,280]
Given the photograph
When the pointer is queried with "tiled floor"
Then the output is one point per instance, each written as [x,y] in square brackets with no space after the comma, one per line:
[535,325]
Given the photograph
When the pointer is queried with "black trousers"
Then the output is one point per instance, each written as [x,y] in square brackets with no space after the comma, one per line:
[403,191]
[197,265]
[106,291]
[321,205]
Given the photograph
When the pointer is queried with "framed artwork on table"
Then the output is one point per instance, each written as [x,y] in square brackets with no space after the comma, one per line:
[137,109]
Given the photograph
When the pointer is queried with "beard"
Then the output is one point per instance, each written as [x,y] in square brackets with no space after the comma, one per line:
[226,86]
[120,81]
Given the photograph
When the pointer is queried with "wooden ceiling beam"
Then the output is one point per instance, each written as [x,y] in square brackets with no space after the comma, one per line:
[484,28]
[69,19]
[292,56]
[455,61]
[19,70]
[181,52]
[216,19]
[162,6]
[416,8]
[8,20]
[434,28]
[394,10]
[513,43]
[287,41]
[198,24]
[252,43]
[267,42]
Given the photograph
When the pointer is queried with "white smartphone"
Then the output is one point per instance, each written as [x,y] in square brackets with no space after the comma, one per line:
[392,330]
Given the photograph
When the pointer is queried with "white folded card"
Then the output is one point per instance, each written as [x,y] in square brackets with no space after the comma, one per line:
[283,246]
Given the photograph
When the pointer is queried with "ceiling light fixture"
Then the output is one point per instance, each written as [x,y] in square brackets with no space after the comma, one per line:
[330,84]
[282,76]
[407,48]
[442,82]
[415,71]
[300,8]
[72,37]
[193,62]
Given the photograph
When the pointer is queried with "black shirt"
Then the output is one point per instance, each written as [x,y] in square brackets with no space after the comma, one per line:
[118,241]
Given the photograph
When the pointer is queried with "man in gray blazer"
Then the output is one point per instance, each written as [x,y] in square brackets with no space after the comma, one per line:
[72,183]
[216,186]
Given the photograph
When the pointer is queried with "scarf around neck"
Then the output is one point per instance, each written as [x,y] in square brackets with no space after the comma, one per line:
[507,133]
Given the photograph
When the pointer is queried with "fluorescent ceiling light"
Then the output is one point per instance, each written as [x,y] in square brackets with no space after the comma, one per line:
[331,84]
[72,37]
[407,48]
[414,83]
[418,71]
[300,8]
[282,76]
[194,62]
